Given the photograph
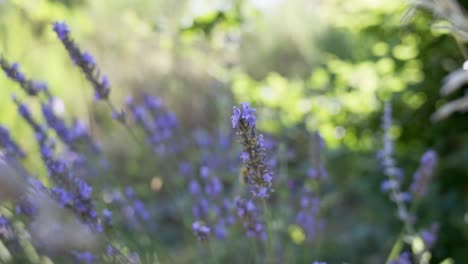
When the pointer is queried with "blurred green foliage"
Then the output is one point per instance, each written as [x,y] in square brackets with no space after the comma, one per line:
[305,65]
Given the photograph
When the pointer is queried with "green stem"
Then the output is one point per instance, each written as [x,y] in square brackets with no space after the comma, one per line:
[267,217]
[396,248]
[398,245]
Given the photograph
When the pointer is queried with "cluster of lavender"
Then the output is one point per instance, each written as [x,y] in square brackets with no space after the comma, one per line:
[255,172]
[306,192]
[135,210]
[258,176]
[158,123]
[136,214]
[12,71]
[418,188]
[308,217]
[212,207]
[252,218]
[395,175]
[11,149]
[69,190]
[422,177]
[213,210]
[85,61]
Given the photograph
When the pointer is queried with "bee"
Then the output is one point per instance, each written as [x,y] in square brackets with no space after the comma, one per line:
[243,174]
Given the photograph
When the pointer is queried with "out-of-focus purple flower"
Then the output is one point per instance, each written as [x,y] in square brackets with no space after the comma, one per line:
[24,111]
[130,192]
[185,168]
[404,258]
[141,210]
[107,216]
[153,103]
[84,257]
[31,87]
[317,169]
[84,189]
[204,171]
[201,231]
[70,191]
[394,174]
[258,176]
[75,135]
[200,209]
[429,236]
[84,61]
[63,197]
[213,186]
[251,218]
[9,145]
[202,139]
[3,222]
[158,123]
[26,207]
[62,30]
[194,187]
[423,175]
[220,230]
[308,216]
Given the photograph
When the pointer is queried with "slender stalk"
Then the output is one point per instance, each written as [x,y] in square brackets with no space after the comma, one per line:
[269,249]
[127,127]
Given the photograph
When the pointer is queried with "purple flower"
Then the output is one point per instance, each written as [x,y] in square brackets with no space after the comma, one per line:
[404,258]
[244,114]
[423,175]
[194,187]
[64,198]
[61,29]
[9,145]
[3,222]
[308,216]
[429,236]
[213,186]
[251,218]
[258,176]
[394,174]
[220,231]
[200,209]
[88,59]
[31,87]
[158,124]
[84,61]
[244,156]
[107,215]
[85,257]
[201,231]
[141,210]
[84,189]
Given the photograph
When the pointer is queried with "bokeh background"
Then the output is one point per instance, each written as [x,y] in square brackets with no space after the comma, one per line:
[305,65]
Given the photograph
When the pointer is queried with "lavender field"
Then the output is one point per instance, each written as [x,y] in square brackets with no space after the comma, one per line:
[233,131]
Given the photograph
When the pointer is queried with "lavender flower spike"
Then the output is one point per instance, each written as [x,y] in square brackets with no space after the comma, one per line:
[423,175]
[394,174]
[9,145]
[259,178]
[84,60]
[13,72]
